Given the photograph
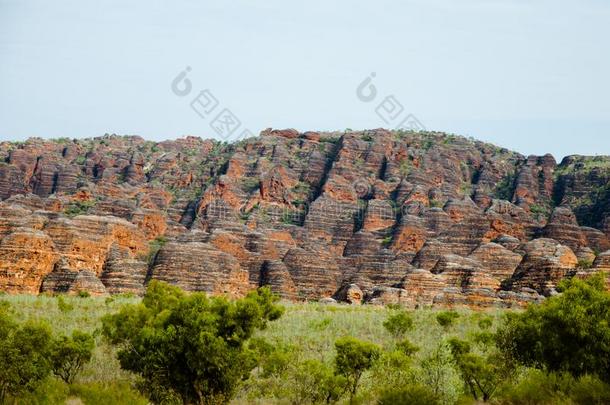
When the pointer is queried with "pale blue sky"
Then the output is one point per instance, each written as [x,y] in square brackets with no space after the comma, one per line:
[528,75]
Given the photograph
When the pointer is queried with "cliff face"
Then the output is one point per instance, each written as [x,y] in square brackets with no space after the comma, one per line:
[378,216]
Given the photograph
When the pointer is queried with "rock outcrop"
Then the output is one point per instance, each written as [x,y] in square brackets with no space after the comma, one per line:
[373,216]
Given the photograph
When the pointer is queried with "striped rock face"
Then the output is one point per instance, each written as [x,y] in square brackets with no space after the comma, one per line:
[372,216]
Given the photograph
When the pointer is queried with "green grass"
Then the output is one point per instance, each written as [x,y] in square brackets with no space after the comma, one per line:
[83,314]
[315,327]
[311,328]
[308,329]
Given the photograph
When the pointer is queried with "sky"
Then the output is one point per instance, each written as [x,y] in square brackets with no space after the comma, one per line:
[529,75]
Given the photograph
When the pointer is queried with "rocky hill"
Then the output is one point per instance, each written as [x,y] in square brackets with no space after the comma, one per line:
[377,216]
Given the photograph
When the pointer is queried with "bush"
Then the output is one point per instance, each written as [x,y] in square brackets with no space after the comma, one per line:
[585,263]
[399,324]
[482,375]
[539,387]
[153,248]
[316,383]
[569,332]
[539,211]
[50,391]
[24,351]
[53,391]
[353,358]
[437,373]
[277,360]
[63,305]
[79,208]
[447,319]
[410,394]
[392,369]
[590,390]
[505,188]
[199,342]
[406,347]
[84,294]
[250,184]
[486,322]
[68,355]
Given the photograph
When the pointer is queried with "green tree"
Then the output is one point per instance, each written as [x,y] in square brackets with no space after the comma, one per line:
[23,355]
[399,324]
[569,332]
[316,383]
[482,374]
[438,374]
[190,346]
[392,369]
[68,354]
[353,358]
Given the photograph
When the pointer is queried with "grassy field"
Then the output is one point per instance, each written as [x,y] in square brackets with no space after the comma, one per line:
[306,331]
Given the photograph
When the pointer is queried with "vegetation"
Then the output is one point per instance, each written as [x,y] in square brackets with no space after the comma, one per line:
[330,139]
[176,347]
[568,333]
[436,204]
[399,324]
[447,318]
[585,263]
[466,188]
[354,357]
[539,211]
[482,373]
[189,347]
[153,248]
[79,208]
[410,394]
[23,355]
[250,184]
[290,217]
[506,187]
[68,355]
[29,353]
[404,167]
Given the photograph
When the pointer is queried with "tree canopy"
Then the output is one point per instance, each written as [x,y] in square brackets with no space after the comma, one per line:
[190,346]
[23,354]
[569,332]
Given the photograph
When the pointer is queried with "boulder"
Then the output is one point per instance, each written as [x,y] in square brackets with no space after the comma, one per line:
[545,264]
[350,293]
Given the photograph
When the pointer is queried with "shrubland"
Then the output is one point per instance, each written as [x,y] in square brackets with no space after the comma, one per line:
[176,347]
